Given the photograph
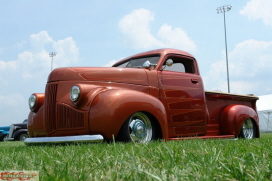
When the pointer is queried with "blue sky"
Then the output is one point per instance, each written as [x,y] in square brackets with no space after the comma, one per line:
[98,33]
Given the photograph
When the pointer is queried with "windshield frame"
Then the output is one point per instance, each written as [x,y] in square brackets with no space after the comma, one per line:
[137,62]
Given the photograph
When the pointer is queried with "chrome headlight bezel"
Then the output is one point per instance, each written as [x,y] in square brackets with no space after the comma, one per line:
[74,93]
[32,101]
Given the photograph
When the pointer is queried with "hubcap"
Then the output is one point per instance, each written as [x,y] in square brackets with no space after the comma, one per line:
[23,137]
[248,129]
[140,128]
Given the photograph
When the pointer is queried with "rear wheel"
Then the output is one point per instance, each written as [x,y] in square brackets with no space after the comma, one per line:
[248,129]
[139,127]
[21,136]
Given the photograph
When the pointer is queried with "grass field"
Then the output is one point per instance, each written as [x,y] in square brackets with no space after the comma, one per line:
[174,160]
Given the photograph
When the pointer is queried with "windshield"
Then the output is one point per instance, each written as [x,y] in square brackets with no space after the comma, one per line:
[138,62]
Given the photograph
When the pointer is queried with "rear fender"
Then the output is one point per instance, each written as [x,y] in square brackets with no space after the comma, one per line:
[110,109]
[233,117]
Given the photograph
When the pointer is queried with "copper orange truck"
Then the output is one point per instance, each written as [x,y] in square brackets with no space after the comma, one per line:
[153,95]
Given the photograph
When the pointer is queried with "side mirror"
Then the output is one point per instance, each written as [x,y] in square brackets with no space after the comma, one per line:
[169,62]
[146,64]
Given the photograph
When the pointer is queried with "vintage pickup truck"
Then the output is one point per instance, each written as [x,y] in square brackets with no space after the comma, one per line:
[153,95]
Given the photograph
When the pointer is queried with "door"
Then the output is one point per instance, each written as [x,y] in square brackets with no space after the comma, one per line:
[182,93]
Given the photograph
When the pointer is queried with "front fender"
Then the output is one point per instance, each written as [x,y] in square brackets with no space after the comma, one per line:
[233,117]
[35,124]
[5,132]
[16,133]
[110,109]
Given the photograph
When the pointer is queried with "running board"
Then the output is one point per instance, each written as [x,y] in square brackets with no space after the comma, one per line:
[205,137]
[64,139]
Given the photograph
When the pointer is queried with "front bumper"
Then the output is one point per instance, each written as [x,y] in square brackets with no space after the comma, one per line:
[65,139]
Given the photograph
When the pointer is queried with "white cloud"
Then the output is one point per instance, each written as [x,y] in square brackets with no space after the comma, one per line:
[38,41]
[258,9]
[28,73]
[176,37]
[110,63]
[36,62]
[7,66]
[136,29]
[137,33]
[14,109]
[249,69]
[67,52]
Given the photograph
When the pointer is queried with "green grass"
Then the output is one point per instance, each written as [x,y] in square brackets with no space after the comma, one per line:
[174,160]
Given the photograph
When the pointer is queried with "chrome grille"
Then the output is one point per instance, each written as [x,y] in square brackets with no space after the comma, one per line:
[50,107]
[68,117]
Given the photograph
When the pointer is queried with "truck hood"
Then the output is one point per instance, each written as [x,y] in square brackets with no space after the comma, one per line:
[105,74]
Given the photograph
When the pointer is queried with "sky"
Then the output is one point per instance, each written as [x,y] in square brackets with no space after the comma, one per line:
[99,33]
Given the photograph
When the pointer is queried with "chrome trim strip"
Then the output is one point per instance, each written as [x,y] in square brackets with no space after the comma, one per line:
[65,139]
[11,130]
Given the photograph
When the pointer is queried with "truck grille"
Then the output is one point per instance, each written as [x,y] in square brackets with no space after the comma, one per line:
[60,116]
[69,117]
[50,107]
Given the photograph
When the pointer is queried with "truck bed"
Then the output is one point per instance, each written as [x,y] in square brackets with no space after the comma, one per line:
[217,101]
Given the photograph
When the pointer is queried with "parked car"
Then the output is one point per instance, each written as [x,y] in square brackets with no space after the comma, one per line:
[17,132]
[153,95]
[4,132]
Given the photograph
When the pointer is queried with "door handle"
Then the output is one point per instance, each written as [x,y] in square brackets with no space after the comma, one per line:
[194,81]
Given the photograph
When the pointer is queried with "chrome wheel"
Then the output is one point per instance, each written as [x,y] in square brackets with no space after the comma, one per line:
[248,129]
[22,137]
[140,128]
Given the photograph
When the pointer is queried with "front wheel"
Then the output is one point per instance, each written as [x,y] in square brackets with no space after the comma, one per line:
[139,127]
[248,129]
[21,136]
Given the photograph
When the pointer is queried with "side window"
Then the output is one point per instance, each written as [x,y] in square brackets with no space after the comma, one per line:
[180,64]
[123,65]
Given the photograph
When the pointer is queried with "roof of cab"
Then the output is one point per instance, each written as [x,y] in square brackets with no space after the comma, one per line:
[162,51]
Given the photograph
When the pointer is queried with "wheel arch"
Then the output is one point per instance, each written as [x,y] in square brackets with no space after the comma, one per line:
[110,109]
[156,123]
[233,117]
[18,132]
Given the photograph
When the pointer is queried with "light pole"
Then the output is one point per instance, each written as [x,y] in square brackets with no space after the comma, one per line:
[224,9]
[52,54]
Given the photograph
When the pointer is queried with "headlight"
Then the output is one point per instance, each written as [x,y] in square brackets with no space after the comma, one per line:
[32,101]
[74,93]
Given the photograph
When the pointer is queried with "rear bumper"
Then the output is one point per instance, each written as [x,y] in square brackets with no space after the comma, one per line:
[65,139]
